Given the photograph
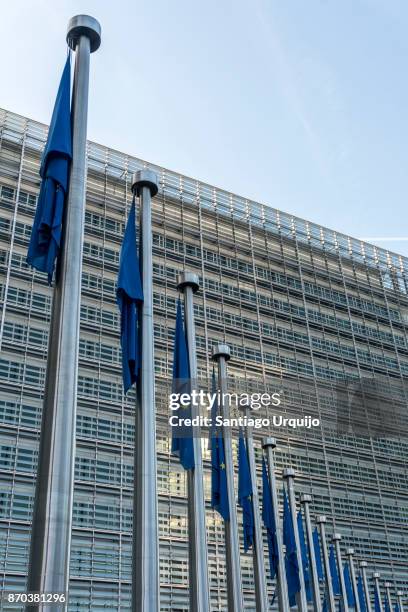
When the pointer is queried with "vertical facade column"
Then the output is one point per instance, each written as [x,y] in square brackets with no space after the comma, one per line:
[289,476]
[363,568]
[321,520]
[221,355]
[188,283]
[145,555]
[350,553]
[376,578]
[262,604]
[336,541]
[269,444]
[305,500]
[52,515]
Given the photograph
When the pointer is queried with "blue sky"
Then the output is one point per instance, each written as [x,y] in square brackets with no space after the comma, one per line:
[300,105]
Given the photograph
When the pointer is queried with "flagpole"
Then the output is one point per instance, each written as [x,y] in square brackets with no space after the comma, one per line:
[222,354]
[269,444]
[388,586]
[400,595]
[262,604]
[336,541]
[350,553]
[145,557]
[188,283]
[321,521]
[376,576]
[363,568]
[305,501]
[52,515]
[289,476]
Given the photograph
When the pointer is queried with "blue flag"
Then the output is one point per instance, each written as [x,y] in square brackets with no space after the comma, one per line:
[349,587]
[182,441]
[377,605]
[219,487]
[396,607]
[318,555]
[324,607]
[245,493]
[129,297]
[361,594]
[333,572]
[386,605]
[305,557]
[291,561]
[46,232]
[268,518]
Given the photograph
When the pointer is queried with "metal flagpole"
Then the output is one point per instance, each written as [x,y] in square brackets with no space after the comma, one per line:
[388,586]
[52,516]
[222,354]
[305,501]
[336,541]
[400,595]
[188,283]
[145,568]
[269,444]
[350,553]
[321,521]
[363,568]
[289,475]
[262,604]
[376,576]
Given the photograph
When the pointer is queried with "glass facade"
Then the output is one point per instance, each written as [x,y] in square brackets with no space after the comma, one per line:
[291,298]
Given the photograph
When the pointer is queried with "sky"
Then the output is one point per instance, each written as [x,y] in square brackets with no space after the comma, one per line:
[299,105]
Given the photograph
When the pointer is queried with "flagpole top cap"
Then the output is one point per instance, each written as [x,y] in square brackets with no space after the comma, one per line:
[266,442]
[350,551]
[376,574]
[400,593]
[321,518]
[336,537]
[145,178]
[363,564]
[188,279]
[84,25]
[387,585]
[288,473]
[305,498]
[221,350]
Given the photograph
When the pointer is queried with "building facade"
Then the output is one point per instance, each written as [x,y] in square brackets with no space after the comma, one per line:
[295,301]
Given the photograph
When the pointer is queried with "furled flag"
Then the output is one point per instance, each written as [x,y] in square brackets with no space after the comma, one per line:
[245,493]
[46,232]
[318,556]
[219,487]
[305,557]
[182,439]
[386,605]
[291,561]
[361,594]
[377,605]
[396,607]
[268,518]
[324,607]
[129,297]
[348,584]
[333,572]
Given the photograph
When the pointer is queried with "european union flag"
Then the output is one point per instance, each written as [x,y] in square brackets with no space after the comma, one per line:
[46,232]
[318,555]
[333,572]
[245,493]
[291,562]
[377,605]
[305,557]
[324,608]
[396,607]
[361,594]
[219,487]
[268,518]
[349,587]
[386,605]
[182,441]
[129,297]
